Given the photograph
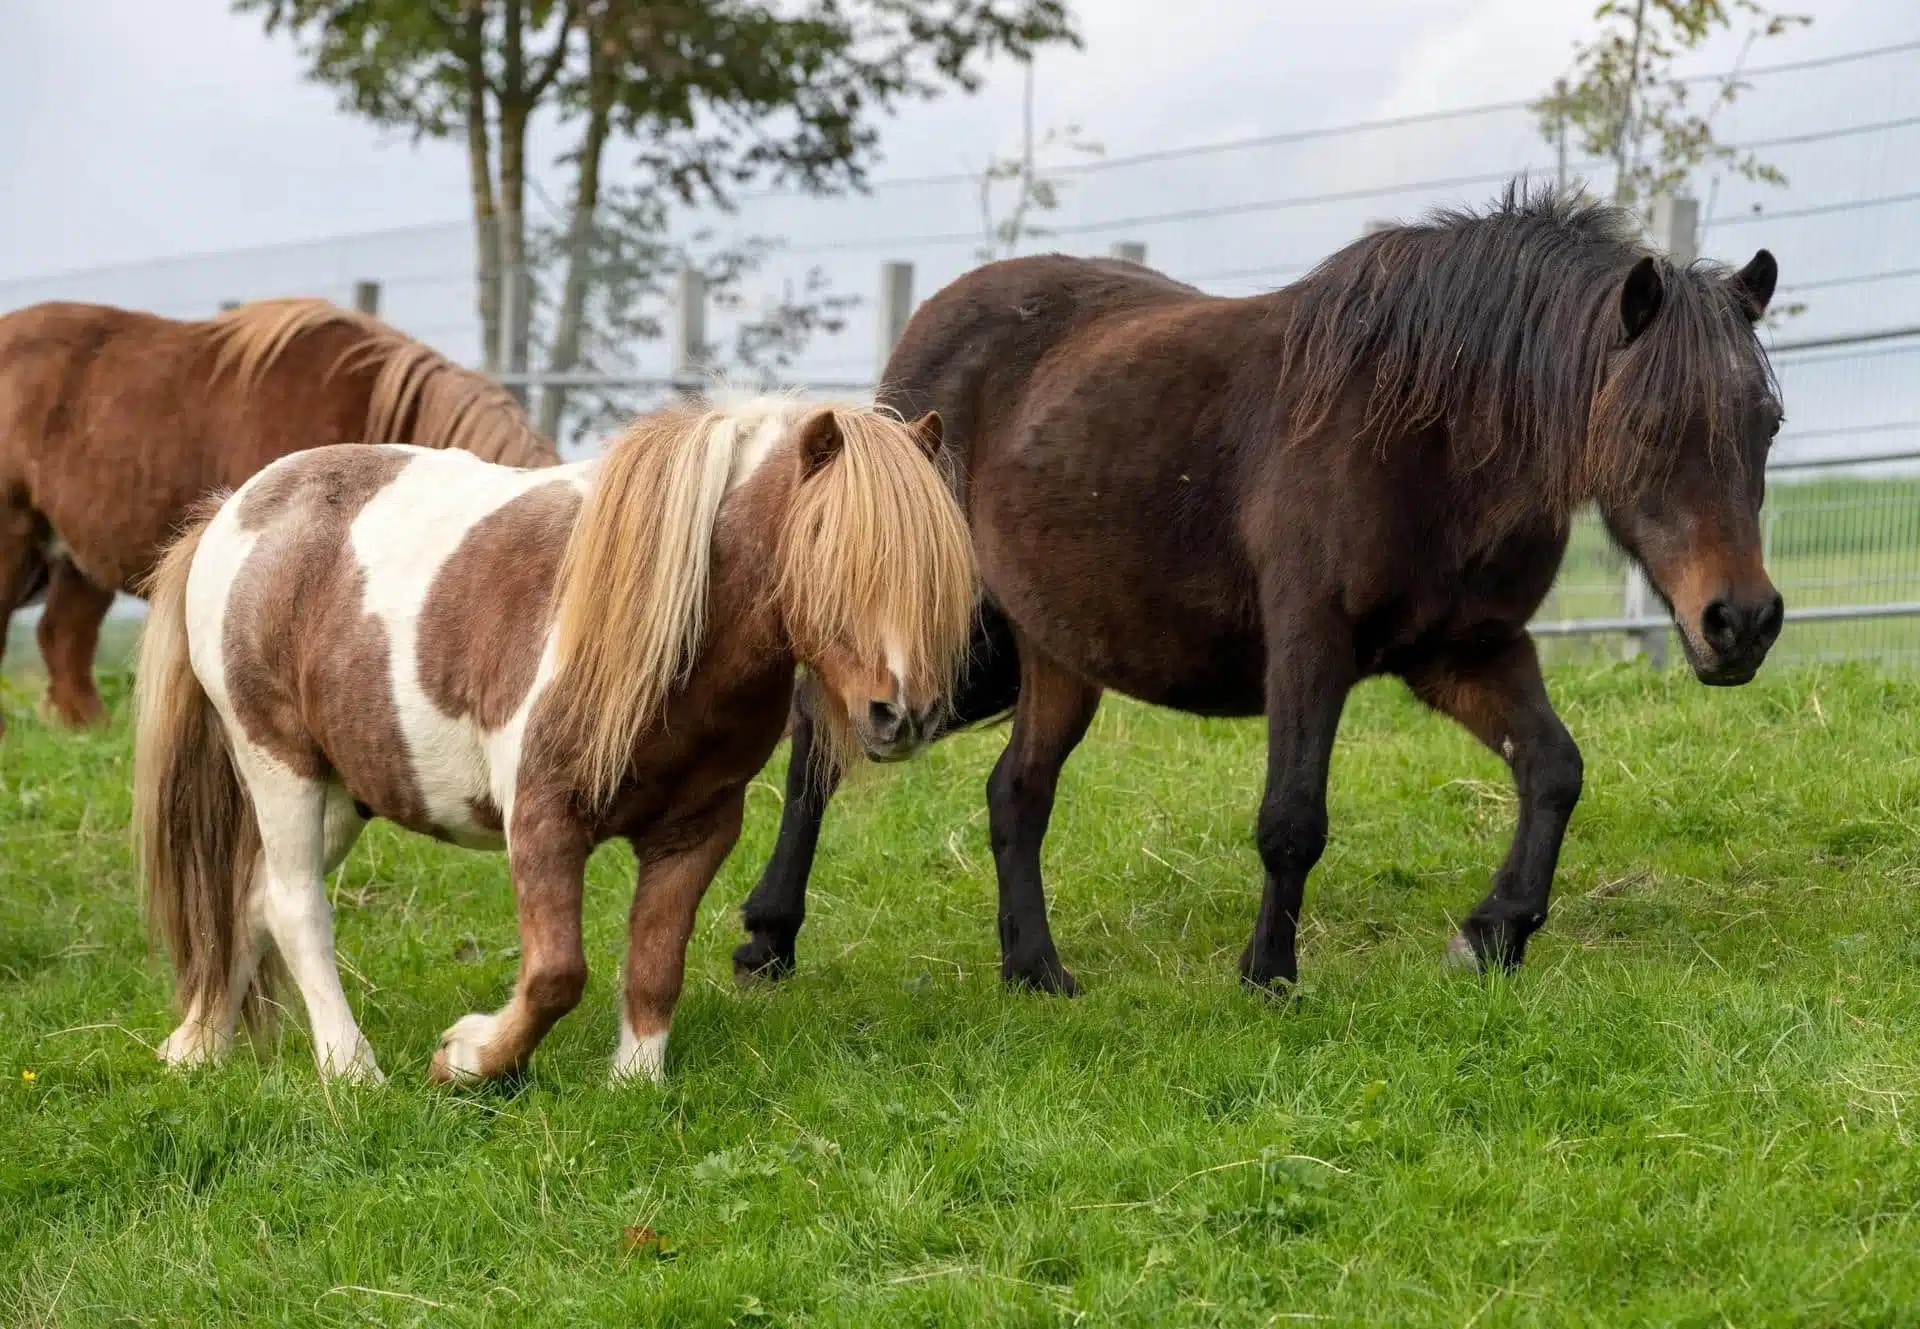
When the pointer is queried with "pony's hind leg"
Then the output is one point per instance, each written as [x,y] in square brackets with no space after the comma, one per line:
[206,1035]
[69,634]
[23,568]
[547,851]
[302,826]
[665,902]
[1500,699]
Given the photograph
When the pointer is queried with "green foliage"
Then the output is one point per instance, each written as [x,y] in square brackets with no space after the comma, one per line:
[694,98]
[1694,1106]
[1625,103]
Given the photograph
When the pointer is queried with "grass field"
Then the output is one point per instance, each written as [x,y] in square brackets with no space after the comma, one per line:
[1695,1105]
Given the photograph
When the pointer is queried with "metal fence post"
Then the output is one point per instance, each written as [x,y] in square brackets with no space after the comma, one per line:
[1131,251]
[690,325]
[896,307]
[366,297]
[1673,225]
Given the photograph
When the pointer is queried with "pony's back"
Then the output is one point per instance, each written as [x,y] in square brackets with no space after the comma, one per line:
[113,422]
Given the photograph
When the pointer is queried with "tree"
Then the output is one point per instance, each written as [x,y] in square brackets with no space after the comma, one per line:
[706,95]
[1625,103]
[1034,191]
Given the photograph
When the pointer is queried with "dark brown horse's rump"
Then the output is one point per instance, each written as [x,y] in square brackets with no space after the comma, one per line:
[1249,505]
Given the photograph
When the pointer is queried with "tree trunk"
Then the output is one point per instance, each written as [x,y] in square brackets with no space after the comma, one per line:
[486,227]
[515,108]
[1623,191]
[571,319]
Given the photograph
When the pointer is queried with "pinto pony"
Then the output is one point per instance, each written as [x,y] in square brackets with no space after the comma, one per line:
[1243,507]
[113,422]
[540,660]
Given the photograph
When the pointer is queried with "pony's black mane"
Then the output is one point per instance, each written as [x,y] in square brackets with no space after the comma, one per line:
[1501,326]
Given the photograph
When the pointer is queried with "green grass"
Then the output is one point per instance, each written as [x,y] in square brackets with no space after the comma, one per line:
[1694,1106]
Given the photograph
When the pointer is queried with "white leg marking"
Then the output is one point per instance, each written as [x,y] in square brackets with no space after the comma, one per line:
[292,890]
[640,1058]
[205,1036]
[462,1045]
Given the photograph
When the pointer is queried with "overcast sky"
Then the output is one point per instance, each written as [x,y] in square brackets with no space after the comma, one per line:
[134,131]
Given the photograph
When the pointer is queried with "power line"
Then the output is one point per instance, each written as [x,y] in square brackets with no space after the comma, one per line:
[1857,279]
[1818,210]
[1285,137]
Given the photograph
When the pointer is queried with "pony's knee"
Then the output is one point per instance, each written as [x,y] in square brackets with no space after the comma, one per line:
[1292,833]
[1558,775]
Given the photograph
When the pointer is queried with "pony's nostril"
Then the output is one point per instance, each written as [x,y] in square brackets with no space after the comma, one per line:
[1772,618]
[1716,625]
[885,720]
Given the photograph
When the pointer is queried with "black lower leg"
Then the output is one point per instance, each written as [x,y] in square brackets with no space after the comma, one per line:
[1307,681]
[777,906]
[1054,711]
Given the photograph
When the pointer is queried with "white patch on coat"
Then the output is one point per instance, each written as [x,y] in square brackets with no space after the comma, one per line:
[401,539]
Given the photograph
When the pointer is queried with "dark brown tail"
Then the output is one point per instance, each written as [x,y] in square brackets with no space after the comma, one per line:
[196,836]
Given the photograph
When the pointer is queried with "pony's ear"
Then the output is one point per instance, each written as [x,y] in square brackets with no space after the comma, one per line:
[820,441]
[930,430]
[1754,284]
[1640,297]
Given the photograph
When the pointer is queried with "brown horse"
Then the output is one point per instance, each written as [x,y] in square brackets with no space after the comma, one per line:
[113,422]
[1236,507]
[534,660]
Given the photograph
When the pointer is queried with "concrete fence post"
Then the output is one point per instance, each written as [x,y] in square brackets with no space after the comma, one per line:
[895,308]
[690,323]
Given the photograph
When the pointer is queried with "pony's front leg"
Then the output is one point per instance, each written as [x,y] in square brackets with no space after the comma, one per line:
[547,850]
[69,633]
[1309,672]
[665,901]
[1500,699]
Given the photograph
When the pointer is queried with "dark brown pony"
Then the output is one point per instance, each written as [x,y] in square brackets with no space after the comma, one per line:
[113,422]
[1238,507]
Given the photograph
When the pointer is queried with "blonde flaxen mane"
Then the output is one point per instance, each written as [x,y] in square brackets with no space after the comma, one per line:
[872,556]
[448,406]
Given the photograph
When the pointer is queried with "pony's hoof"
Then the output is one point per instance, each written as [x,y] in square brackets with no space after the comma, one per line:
[461,1055]
[1273,974]
[760,959]
[87,713]
[1461,954]
[1047,976]
[192,1044]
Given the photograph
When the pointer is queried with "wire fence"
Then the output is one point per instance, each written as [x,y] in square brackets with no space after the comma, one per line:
[1236,216]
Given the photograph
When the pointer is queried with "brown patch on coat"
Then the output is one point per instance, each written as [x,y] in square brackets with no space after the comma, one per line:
[299,593]
[484,623]
[486,815]
[113,422]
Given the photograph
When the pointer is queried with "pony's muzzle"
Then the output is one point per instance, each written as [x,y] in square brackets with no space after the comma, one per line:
[1736,631]
[890,731]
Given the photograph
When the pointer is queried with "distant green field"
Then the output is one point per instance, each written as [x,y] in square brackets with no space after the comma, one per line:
[1696,1106]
